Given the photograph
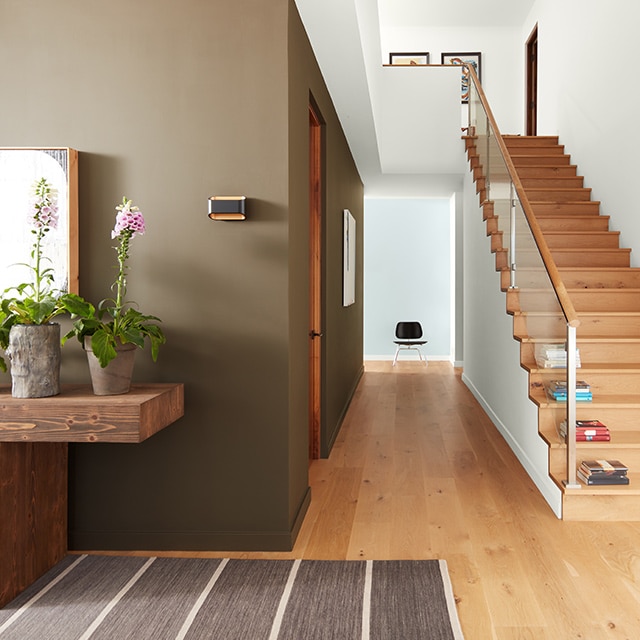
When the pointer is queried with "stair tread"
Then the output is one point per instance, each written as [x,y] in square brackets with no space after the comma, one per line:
[600,400]
[631,489]
[620,439]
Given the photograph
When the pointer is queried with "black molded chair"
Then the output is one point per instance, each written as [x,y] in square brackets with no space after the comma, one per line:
[409,336]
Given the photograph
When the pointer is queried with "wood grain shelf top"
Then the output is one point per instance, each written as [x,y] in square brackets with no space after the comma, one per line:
[77,415]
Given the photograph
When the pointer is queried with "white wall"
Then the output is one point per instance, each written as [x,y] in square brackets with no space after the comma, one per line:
[492,357]
[502,62]
[407,273]
[589,94]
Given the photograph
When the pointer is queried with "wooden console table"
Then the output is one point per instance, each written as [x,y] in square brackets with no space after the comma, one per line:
[34,437]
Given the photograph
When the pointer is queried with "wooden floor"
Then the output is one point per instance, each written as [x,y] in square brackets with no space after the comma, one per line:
[419,471]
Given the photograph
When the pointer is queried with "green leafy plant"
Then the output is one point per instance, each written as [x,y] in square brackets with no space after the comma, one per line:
[116,319]
[37,302]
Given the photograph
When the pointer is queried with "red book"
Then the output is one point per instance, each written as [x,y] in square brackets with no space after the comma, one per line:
[591,424]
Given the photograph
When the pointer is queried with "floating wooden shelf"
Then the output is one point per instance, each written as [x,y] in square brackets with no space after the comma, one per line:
[34,433]
[76,415]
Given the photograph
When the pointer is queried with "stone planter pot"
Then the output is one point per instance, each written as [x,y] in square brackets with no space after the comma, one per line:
[34,352]
[115,378]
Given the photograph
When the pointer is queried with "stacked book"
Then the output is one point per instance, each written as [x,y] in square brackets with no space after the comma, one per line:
[587,431]
[553,356]
[557,390]
[600,472]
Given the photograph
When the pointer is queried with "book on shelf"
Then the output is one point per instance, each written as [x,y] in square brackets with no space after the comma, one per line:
[604,467]
[587,431]
[557,390]
[553,356]
[603,472]
[561,385]
[601,481]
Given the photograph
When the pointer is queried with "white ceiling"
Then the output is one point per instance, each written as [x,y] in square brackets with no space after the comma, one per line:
[444,13]
[402,124]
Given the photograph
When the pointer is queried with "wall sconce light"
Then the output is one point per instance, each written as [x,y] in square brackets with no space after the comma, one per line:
[227,207]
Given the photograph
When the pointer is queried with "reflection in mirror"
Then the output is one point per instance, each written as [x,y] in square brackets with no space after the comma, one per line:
[19,170]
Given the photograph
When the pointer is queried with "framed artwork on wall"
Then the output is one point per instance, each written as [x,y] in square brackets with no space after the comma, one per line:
[472,59]
[20,168]
[411,59]
[348,259]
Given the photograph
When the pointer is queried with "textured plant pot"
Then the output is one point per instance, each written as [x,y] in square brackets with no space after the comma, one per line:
[115,378]
[34,351]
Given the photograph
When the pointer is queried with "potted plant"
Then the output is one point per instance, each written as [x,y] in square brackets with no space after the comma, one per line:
[27,334]
[111,332]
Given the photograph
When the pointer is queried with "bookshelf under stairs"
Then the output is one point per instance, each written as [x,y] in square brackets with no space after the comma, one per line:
[605,292]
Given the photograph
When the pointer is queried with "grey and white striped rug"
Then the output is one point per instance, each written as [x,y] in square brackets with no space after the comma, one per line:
[133,598]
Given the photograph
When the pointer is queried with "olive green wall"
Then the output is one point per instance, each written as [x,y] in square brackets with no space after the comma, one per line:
[169,103]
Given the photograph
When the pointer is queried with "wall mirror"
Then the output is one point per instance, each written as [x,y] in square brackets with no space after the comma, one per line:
[19,170]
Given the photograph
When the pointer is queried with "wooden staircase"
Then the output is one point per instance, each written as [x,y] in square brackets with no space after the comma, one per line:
[605,292]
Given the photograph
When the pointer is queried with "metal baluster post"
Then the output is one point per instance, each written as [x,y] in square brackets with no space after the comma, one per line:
[512,236]
[571,482]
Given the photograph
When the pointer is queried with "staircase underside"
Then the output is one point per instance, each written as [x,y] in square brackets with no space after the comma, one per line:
[605,292]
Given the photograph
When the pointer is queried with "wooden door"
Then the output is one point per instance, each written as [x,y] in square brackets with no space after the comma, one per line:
[532,83]
[315,284]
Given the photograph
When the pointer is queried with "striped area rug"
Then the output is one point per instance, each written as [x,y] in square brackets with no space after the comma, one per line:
[133,598]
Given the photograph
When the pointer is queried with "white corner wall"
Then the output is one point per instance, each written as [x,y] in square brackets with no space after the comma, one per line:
[492,368]
[502,61]
[588,95]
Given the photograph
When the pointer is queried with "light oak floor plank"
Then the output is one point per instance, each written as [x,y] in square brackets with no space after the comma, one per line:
[419,471]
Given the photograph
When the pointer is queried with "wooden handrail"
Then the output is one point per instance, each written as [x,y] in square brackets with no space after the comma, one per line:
[552,270]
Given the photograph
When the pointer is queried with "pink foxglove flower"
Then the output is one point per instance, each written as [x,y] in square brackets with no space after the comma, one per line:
[128,218]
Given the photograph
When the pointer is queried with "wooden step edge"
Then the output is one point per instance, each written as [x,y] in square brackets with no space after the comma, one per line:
[584,249]
[587,369]
[583,215]
[579,233]
[590,203]
[632,489]
[620,439]
[600,401]
[581,314]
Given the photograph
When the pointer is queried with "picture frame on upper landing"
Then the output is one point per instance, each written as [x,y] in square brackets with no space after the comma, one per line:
[469,58]
[409,59]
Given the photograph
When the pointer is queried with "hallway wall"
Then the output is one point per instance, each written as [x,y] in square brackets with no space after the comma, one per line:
[408,273]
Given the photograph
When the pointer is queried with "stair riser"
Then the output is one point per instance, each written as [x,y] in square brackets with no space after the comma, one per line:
[558,195]
[600,258]
[617,419]
[554,326]
[593,451]
[602,383]
[590,300]
[601,278]
[551,160]
[575,258]
[538,171]
[573,223]
[571,182]
[604,508]
[587,208]
[514,142]
[583,240]
[535,151]
[615,350]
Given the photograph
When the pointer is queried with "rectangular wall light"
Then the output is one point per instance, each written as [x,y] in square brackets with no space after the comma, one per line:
[227,207]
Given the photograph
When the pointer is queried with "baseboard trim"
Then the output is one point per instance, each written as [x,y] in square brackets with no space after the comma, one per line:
[191,540]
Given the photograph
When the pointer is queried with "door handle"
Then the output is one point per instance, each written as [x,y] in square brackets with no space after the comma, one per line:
[314,334]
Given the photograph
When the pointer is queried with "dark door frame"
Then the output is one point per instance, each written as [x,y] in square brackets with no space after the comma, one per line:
[532,83]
